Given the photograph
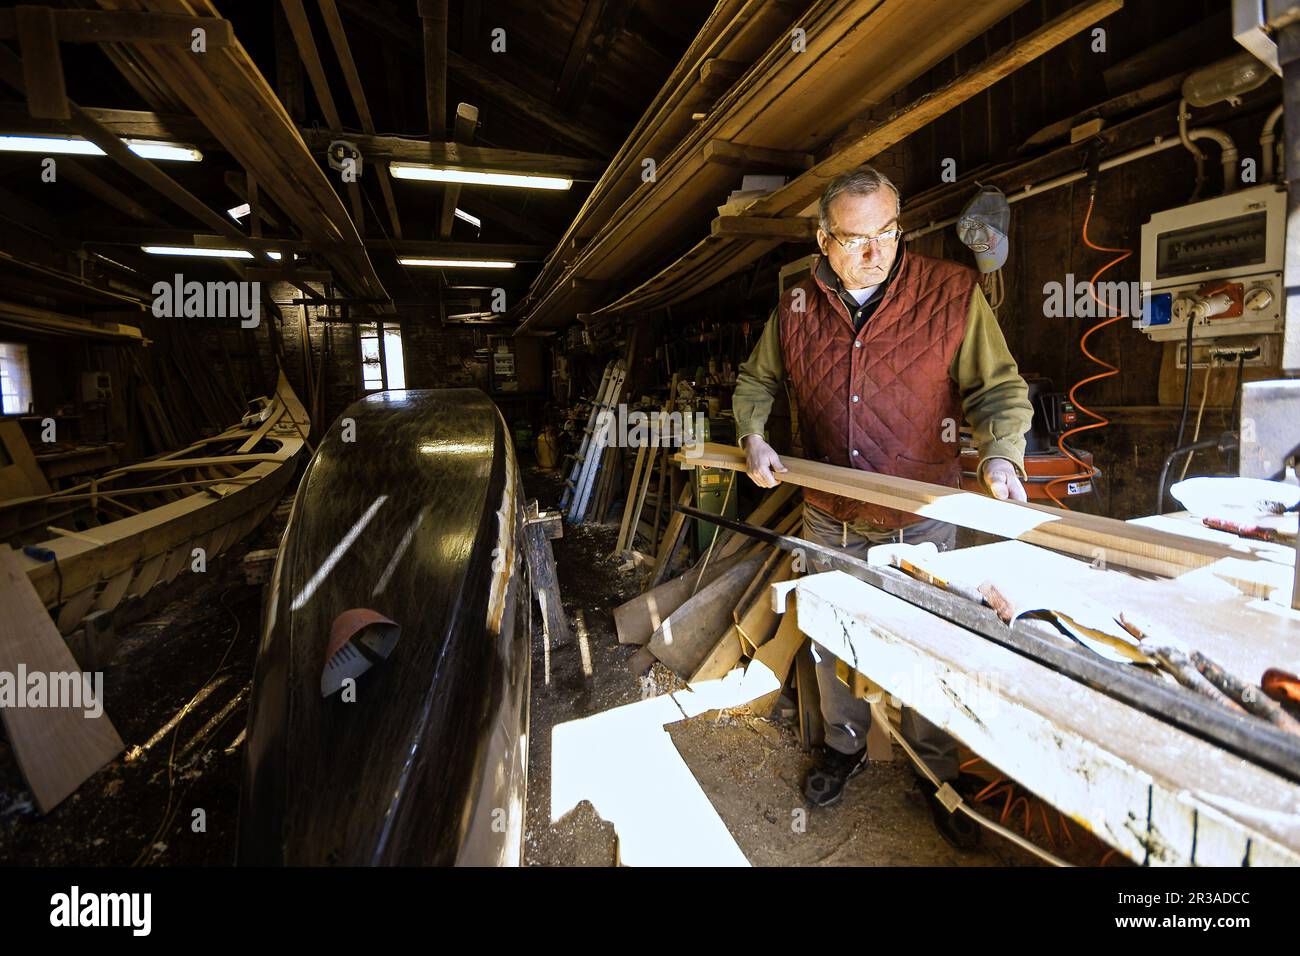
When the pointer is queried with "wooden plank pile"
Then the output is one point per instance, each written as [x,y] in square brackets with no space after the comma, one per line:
[816,74]
[707,620]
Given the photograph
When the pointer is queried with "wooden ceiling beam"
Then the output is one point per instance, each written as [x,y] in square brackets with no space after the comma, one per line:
[466,124]
[76,172]
[175,128]
[343,50]
[406,150]
[38,41]
[579,47]
[136,236]
[302,36]
[111,26]
[483,82]
[433,17]
[611,21]
[11,72]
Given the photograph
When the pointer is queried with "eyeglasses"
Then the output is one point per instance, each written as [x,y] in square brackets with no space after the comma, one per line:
[858,242]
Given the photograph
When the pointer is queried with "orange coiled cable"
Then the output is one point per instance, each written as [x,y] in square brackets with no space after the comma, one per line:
[1087,471]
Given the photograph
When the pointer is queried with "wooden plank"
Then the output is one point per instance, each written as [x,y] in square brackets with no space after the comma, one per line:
[748,157]
[690,632]
[765,227]
[674,536]
[1157,794]
[629,501]
[1118,543]
[750,630]
[782,102]
[57,748]
[636,620]
[226,88]
[777,655]
[546,585]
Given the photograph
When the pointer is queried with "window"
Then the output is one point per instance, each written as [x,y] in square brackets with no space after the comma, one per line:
[381,357]
[15,379]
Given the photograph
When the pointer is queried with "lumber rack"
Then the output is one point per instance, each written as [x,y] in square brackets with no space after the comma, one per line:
[1043,643]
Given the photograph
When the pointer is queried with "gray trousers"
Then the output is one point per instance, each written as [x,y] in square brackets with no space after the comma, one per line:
[848,718]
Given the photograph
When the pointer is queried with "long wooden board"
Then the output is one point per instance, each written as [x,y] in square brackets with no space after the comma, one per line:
[57,748]
[1105,540]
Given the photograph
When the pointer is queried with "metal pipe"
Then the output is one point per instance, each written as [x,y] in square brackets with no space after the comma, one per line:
[1269,147]
[1159,144]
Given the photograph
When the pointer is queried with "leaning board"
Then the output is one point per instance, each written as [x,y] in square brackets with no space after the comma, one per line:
[56,748]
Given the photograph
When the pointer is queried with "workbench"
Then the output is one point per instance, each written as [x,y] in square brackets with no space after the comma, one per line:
[1158,794]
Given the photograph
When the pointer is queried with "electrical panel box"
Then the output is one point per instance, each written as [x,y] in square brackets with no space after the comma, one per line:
[1217,264]
[95,387]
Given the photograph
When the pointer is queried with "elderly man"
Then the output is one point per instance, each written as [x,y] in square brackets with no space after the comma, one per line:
[885,350]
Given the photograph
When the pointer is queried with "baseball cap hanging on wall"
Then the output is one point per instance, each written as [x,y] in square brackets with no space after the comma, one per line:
[983,226]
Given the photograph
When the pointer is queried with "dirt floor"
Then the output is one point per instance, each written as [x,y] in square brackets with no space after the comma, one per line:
[177,691]
[751,769]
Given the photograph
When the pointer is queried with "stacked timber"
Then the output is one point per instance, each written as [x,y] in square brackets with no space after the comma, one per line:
[718,613]
[821,69]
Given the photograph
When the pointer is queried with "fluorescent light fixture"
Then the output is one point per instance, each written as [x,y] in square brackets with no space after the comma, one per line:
[459,263]
[206,252]
[239,212]
[76,146]
[474,221]
[471,177]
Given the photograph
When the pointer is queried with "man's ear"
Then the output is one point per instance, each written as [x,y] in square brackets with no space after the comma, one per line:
[823,240]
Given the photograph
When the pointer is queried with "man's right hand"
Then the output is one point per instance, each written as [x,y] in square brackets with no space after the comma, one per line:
[761,462]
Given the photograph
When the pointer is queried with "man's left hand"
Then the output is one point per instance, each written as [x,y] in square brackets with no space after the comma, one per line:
[1002,481]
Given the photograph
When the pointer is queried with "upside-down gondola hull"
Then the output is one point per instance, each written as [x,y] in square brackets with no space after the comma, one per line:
[411,509]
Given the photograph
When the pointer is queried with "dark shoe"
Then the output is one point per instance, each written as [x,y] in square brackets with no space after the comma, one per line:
[961,832]
[831,770]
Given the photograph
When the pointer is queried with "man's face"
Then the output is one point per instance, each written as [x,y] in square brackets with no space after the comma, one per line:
[853,217]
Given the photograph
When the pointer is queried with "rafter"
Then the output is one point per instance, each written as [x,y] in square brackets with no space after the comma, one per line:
[343,50]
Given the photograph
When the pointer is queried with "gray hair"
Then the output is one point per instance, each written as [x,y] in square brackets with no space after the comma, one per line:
[862,181]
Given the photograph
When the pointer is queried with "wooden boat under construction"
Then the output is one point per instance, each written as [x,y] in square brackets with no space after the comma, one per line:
[90,547]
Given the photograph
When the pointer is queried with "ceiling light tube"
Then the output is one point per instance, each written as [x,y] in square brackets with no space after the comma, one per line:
[458,263]
[206,252]
[210,252]
[474,221]
[472,177]
[76,146]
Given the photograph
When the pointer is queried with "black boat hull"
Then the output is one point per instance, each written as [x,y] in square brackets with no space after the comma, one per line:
[411,508]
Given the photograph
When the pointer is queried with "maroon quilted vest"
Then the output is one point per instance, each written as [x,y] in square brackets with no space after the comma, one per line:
[880,400]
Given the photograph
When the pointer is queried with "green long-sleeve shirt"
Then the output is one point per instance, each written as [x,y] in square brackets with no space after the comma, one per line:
[994,398]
